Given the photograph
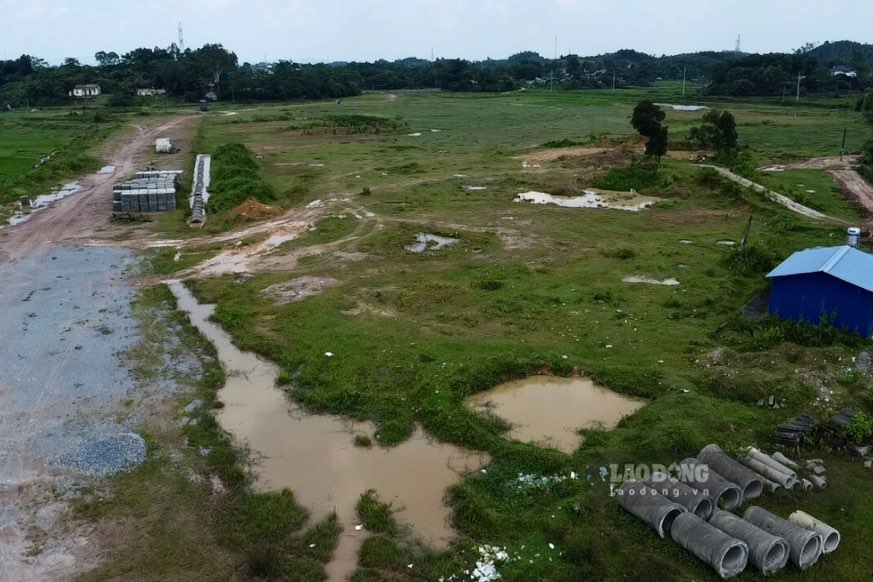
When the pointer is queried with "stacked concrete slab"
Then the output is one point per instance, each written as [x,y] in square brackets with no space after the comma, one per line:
[150,191]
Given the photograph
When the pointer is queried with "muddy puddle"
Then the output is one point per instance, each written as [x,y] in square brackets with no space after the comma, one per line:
[430,242]
[549,410]
[629,201]
[314,455]
[42,202]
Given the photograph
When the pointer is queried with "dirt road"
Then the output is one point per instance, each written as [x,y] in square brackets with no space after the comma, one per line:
[82,216]
[65,322]
[842,169]
[774,196]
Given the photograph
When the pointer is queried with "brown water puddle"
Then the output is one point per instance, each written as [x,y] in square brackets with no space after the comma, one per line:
[550,410]
[313,455]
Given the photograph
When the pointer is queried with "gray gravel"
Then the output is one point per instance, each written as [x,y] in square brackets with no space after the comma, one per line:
[67,322]
[101,456]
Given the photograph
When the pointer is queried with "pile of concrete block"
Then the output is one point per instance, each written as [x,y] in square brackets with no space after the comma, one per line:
[150,191]
[163,145]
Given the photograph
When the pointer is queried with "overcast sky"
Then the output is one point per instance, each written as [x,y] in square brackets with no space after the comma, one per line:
[345,30]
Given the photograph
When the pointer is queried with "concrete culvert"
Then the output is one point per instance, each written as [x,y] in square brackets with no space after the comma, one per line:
[831,537]
[751,483]
[728,556]
[650,506]
[695,500]
[701,476]
[769,473]
[767,553]
[805,546]
[806,484]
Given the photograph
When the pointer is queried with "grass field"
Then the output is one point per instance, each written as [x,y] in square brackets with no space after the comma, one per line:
[530,288]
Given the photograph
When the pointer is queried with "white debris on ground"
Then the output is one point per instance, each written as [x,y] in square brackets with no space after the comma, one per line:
[416,134]
[486,565]
[526,481]
[671,282]
[591,199]
[476,188]
[527,165]
[43,201]
[106,170]
[727,243]
[776,168]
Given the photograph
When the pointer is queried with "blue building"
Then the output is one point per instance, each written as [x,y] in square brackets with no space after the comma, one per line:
[828,281]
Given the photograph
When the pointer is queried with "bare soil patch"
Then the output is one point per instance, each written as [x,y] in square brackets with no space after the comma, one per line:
[251,209]
[299,289]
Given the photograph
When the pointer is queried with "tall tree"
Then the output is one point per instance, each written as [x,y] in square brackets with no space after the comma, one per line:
[646,119]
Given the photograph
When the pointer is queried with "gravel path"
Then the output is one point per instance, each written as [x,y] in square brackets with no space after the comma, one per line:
[66,319]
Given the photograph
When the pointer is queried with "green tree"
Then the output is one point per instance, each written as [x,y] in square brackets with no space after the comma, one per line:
[718,130]
[646,119]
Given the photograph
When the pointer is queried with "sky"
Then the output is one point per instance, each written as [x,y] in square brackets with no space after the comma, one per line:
[366,30]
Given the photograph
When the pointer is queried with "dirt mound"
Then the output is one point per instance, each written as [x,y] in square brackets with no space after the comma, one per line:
[251,209]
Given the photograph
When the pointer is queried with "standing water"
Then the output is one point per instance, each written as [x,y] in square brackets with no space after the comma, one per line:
[550,410]
[313,455]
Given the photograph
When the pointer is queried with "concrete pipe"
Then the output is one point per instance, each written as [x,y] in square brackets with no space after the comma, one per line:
[830,536]
[772,486]
[819,482]
[780,458]
[650,506]
[804,545]
[695,500]
[726,555]
[700,476]
[751,483]
[771,462]
[767,553]
[806,484]
[768,472]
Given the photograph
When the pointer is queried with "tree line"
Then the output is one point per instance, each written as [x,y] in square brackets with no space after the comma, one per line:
[216,72]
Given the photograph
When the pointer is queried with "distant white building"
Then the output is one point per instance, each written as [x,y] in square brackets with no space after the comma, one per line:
[85,91]
[150,92]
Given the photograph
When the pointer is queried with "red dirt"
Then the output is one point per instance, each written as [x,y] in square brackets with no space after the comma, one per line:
[81,216]
[251,209]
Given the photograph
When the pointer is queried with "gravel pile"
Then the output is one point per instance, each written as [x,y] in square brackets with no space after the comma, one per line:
[106,454]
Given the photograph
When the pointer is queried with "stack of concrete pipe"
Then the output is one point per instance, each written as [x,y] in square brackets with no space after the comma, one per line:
[751,483]
[198,192]
[649,506]
[805,545]
[686,509]
[699,476]
[695,500]
[776,474]
[767,552]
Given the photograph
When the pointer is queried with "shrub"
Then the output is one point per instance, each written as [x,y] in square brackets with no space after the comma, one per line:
[236,178]
[749,260]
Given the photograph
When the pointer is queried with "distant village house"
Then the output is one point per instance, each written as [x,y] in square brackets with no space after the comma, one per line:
[85,91]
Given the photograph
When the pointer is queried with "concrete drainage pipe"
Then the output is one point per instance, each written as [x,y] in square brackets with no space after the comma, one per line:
[830,535]
[780,458]
[770,473]
[767,553]
[751,483]
[650,506]
[695,500]
[699,475]
[805,546]
[726,555]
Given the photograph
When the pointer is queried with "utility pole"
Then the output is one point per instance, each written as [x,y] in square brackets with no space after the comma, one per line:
[684,70]
[613,81]
[554,62]
[799,79]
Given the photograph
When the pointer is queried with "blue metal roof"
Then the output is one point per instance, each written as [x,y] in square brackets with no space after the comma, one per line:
[845,263]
